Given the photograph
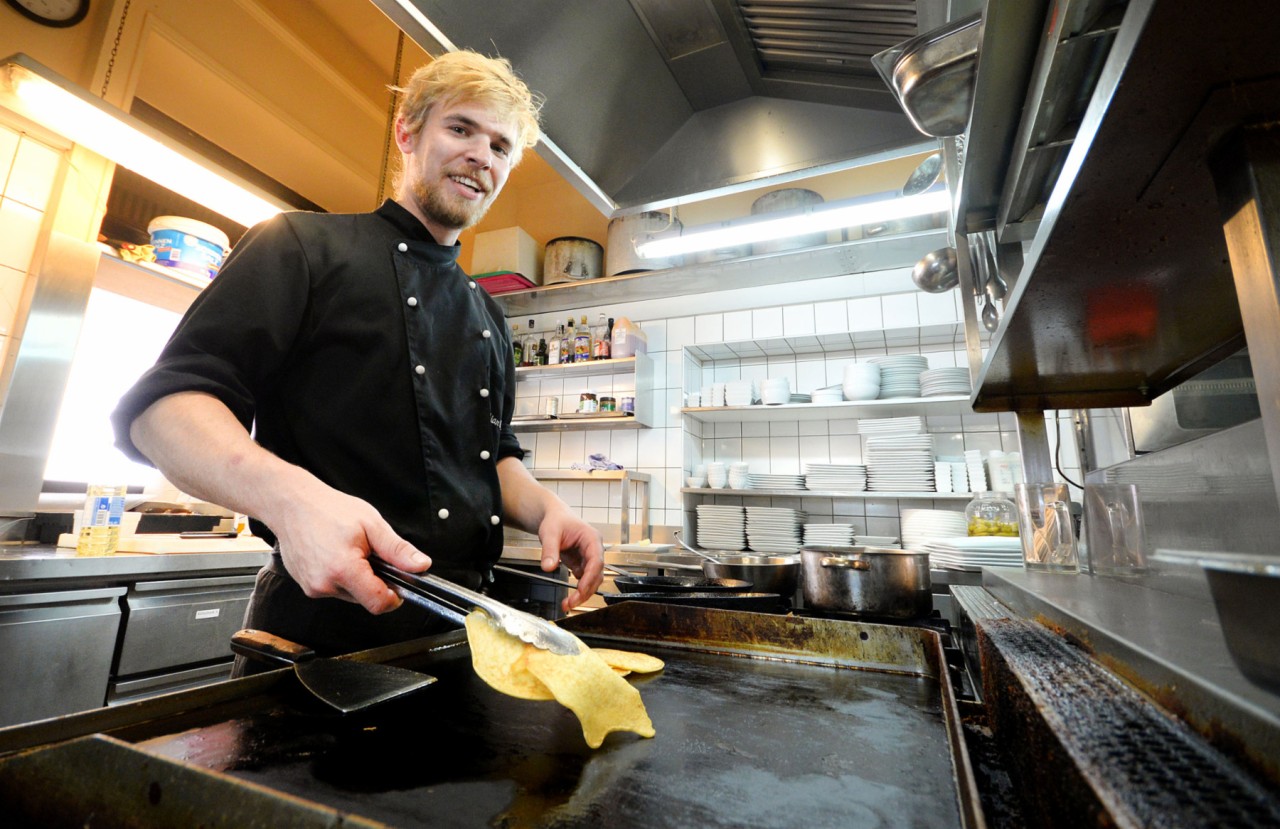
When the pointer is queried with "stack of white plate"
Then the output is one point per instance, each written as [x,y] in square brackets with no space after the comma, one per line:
[834,535]
[739,393]
[738,475]
[775,391]
[721,527]
[755,481]
[920,526]
[901,463]
[900,374]
[802,398]
[976,470]
[974,552]
[774,529]
[876,540]
[912,425]
[936,381]
[843,476]
[716,396]
[826,396]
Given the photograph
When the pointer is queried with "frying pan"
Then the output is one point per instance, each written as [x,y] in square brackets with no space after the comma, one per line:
[343,684]
[724,600]
[680,584]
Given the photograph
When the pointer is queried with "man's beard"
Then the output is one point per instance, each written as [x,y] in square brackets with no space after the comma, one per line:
[457,214]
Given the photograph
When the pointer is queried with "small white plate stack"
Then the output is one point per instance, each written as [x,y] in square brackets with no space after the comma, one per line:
[739,393]
[900,463]
[832,476]
[721,527]
[832,535]
[911,425]
[939,381]
[875,540]
[774,529]
[900,374]
[825,396]
[972,553]
[920,526]
[779,481]
[775,391]
[738,475]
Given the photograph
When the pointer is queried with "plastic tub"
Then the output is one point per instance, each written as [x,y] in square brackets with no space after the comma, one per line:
[188,244]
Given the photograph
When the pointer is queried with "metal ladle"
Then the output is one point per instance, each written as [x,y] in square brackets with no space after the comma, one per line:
[936,272]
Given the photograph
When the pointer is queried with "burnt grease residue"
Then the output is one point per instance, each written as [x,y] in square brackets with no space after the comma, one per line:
[740,742]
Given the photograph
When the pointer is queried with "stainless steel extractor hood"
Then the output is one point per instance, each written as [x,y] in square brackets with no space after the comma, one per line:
[651,103]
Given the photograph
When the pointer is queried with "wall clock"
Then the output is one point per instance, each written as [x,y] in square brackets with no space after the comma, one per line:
[59,13]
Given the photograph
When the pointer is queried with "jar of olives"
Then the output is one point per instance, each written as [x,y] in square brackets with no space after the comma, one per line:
[991,513]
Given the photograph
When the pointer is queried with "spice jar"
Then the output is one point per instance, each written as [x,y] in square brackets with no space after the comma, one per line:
[587,403]
[627,404]
[608,404]
[991,513]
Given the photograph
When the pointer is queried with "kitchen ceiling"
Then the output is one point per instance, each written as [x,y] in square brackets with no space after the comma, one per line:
[652,103]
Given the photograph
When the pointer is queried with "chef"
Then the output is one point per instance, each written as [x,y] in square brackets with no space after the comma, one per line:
[377,380]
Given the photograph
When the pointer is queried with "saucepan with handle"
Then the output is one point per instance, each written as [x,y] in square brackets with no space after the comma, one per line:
[768,573]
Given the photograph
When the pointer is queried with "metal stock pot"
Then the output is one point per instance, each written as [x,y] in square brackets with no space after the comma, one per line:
[869,581]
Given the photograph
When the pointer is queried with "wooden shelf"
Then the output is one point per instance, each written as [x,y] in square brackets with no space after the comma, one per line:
[576,424]
[622,365]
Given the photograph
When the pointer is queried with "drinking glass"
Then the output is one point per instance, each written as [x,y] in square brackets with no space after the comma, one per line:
[1044,524]
[1114,529]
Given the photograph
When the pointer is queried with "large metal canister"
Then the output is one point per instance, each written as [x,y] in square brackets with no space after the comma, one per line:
[788,200]
[571,259]
[625,231]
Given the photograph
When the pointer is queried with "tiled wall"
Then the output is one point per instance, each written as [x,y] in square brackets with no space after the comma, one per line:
[28,169]
[889,323]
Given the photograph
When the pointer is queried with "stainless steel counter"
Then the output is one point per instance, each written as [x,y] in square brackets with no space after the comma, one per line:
[26,567]
[1161,634]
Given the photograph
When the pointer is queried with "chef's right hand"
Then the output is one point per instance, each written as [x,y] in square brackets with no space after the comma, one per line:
[326,538]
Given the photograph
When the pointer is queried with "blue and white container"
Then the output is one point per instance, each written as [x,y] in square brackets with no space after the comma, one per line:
[189,245]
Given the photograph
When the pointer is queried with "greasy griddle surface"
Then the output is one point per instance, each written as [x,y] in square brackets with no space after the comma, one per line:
[740,743]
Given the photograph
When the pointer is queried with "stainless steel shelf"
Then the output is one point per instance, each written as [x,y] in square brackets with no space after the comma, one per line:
[592,475]
[860,256]
[622,365]
[828,493]
[1127,289]
[893,407]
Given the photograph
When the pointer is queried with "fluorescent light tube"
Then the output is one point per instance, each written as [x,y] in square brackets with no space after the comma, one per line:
[35,92]
[812,220]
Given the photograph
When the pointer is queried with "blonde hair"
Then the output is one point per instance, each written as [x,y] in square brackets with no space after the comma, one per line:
[470,76]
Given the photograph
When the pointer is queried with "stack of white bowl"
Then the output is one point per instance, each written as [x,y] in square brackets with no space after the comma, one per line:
[717,475]
[738,475]
[738,393]
[977,471]
[824,396]
[717,395]
[775,391]
[861,381]
[900,374]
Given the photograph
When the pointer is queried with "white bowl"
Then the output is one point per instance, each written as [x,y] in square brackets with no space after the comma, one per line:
[861,391]
[695,482]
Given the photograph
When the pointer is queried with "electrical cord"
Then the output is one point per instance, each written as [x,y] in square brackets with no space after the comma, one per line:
[1057,451]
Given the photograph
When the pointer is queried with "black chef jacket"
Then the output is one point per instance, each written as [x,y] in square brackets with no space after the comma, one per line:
[358,349]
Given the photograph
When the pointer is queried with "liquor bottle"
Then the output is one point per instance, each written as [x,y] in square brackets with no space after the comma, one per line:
[567,344]
[531,347]
[553,347]
[517,345]
[582,342]
[600,345]
[542,351]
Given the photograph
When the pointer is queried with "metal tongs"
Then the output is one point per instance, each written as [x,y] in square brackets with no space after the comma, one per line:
[442,596]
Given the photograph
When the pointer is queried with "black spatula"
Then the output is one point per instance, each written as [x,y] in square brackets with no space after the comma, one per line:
[343,684]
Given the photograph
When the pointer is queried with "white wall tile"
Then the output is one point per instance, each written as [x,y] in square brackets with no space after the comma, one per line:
[737,326]
[656,332]
[651,448]
[709,328]
[546,449]
[19,230]
[622,448]
[810,375]
[936,308]
[900,310]
[755,451]
[11,282]
[783,428]
[830,317]
[814,449]
[812,427]
[866,314]
[766,323]
[572,449]
[680,332]
[797,320]
[34,168]
[594,443]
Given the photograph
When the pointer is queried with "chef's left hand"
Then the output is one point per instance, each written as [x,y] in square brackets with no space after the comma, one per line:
[568,539]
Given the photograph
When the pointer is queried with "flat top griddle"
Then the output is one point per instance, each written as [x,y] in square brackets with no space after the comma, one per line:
[788,738]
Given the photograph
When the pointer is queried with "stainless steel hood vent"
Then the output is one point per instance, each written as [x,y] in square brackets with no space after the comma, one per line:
[652,103]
